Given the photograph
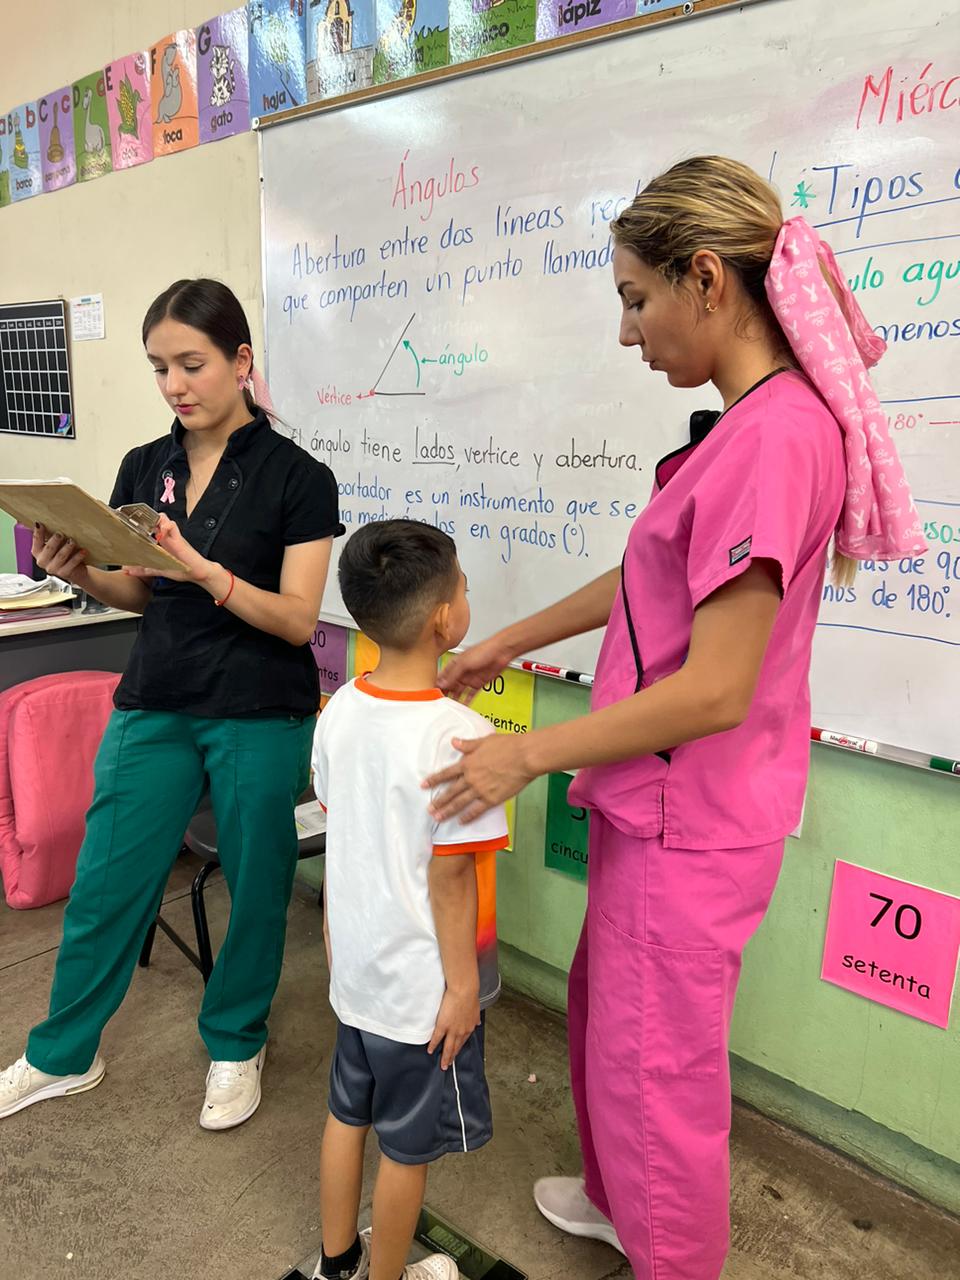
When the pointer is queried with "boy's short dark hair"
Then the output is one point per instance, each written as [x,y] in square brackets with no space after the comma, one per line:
[392,573]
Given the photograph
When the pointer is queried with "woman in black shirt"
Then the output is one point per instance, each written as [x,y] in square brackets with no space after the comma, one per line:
[221,690]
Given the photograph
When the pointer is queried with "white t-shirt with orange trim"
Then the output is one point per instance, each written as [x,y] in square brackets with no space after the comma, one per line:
[372,749]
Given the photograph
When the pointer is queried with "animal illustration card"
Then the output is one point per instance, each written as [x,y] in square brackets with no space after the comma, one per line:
[223,80]
[412,36]
[341,35]
[173,93]
[58,152]
[278,55]
[128,110]
[91,127]
[21,144]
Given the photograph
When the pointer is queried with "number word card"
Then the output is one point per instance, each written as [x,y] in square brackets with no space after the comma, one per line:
[892,942]
[329,646]
[568,831]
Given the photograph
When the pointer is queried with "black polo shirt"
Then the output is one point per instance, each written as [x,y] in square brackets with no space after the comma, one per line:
[266,494]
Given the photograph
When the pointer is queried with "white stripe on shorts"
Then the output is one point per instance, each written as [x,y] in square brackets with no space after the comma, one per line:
[456,1085]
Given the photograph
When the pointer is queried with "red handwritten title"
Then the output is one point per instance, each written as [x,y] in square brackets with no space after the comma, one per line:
[423,191]
[884,101]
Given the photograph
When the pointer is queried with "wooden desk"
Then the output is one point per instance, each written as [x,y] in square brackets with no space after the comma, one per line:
[74,642]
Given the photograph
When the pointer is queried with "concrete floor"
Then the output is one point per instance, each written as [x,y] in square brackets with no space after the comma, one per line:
[122,1183]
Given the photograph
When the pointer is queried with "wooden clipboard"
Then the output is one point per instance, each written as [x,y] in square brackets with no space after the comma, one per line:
[123,537]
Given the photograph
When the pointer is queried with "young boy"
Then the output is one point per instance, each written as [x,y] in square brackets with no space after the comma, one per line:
[411,907]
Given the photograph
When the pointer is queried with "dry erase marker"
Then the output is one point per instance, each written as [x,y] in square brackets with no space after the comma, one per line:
[844,740]
[945,766]
[559,673]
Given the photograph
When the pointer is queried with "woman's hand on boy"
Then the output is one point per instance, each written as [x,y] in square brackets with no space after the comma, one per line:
[491,770]
[457,1020]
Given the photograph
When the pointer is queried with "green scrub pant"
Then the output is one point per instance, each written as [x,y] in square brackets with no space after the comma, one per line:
[149,776]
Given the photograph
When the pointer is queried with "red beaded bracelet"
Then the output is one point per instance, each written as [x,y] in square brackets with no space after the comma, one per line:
[233,580]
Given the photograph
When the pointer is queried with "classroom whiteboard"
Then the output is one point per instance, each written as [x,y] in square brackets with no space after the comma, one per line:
[447,249]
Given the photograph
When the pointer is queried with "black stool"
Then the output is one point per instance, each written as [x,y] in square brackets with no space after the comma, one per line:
[201,838]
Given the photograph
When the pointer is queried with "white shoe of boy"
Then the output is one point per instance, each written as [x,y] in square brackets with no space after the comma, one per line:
[233,1092]
[22,1085]
[437,1267]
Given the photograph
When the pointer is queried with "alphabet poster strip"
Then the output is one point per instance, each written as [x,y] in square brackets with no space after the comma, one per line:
[340,41]
[479,27]
[329,646]
[223,78]
[563,17]
[173,93]
[568,830]
[22,146]
[892,942]
[128,109]
[58,152]
[412,36]
[278,55]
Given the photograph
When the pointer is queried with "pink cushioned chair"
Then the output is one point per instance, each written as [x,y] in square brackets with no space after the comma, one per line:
[50,729]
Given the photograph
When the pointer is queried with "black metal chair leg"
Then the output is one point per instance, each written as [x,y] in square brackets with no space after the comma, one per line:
[204,948]
[147,949]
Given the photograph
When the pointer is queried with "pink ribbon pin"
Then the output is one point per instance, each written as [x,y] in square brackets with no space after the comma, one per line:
[167,495]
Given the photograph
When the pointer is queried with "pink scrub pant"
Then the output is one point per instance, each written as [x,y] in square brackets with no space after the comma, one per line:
[651,998]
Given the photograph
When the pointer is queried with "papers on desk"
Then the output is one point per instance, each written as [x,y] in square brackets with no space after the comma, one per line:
[15,586]
[310,819]
[22,599]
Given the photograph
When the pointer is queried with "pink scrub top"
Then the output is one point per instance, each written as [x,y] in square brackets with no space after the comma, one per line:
[767,483]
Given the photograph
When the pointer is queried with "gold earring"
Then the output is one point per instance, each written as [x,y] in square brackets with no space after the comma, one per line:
[710,307]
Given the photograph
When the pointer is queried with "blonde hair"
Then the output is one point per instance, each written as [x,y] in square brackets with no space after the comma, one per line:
[712,202]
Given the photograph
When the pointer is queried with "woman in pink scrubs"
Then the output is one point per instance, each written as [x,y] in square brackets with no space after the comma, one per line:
[694,756]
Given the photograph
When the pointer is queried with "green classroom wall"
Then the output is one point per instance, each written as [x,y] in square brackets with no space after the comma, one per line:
[867,1080]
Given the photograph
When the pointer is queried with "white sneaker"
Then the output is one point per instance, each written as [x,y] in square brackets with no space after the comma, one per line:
[363,1266]
[233,1092]
[437,1267]
[563,1201]
[22,1085]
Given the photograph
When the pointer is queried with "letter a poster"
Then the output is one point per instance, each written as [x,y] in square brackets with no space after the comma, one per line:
[173,93]
[223,80]
[91,127]
[58,154]
[128,109]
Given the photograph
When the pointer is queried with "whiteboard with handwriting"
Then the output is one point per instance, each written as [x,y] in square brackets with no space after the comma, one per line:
[442,322]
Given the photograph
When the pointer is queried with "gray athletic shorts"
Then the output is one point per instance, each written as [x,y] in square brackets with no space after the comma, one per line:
[418,1112]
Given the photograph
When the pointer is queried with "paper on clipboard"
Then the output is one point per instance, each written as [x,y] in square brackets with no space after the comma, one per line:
[107,536]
